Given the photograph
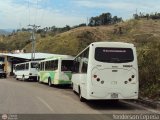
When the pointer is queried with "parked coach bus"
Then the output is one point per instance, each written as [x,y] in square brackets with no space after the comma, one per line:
[26,70]
[106,70]
[56,70]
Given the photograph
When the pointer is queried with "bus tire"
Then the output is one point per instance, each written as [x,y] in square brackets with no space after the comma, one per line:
[16,77]
[38,79]
[73,88]
[5,76]
[23,78]
[49,82]
[80,96]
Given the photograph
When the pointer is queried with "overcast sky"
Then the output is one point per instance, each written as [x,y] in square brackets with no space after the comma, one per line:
[19,13]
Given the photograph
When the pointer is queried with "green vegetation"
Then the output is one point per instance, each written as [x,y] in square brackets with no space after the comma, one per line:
[144,33]
[153,16]
[14,41]
[104,19]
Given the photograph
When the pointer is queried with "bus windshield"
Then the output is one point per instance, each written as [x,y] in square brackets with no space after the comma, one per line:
[114,55]
[67,65]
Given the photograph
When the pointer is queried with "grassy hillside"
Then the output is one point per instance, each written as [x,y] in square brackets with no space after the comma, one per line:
[15,41]
[73,41]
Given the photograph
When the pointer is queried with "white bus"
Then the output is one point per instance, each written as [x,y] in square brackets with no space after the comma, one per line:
[106,70]
[56,70]
[26,70]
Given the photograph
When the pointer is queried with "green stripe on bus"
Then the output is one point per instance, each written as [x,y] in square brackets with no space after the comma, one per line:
[62,82]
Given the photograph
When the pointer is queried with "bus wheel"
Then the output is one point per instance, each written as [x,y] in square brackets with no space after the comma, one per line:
[23,78]
[16,77]
[5,76]
[49,82]
[80,96]
[73,88]
[38,79]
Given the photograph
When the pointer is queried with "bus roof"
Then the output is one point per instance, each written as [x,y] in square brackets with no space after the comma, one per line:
[109,44]
[114,43]
[27,62]
[62,57]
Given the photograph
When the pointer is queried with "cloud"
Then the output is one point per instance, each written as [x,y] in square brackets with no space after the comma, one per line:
[20,13]
[16,15]
[119,4]
[121,8]
[104,4]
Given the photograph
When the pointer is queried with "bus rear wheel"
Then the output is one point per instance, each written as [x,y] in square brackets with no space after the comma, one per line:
[73,88]
[38,79]
[49,82]
[23,78]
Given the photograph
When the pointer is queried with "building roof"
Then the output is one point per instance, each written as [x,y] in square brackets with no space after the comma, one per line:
[28,55]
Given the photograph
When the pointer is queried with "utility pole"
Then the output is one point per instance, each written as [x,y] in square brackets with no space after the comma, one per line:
[33,39]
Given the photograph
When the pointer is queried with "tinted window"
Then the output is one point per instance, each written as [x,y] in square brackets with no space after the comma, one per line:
[34,65]
[114,55]
[83,59]
[1,58]
[67,65]
[27,66]
[76,66]
[84,67]
[2,66]
[55,64]
[42,66]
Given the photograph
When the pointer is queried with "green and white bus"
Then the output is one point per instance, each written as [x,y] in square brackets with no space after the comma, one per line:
[56,70]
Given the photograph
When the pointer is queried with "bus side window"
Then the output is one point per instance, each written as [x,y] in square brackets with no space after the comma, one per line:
[27,66]
[16,67]
[47,65]
[84,67]
[84,60]
[39,66]
[55,64]
[42,66]
[21,67]
[76,67]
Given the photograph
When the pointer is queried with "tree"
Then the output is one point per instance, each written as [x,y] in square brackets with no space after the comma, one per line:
[135,16]
[104,19]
